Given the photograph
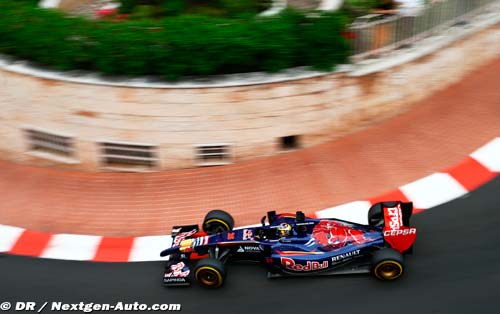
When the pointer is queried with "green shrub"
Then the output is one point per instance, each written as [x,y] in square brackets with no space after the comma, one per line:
[127,6]
[320,41]
[239,7]
[206,11]
[142,12]
[171,47]
[174,7]
[228,8]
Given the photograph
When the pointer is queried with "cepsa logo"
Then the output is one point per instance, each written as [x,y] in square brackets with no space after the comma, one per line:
[394,217]
[400,232]
[309,266]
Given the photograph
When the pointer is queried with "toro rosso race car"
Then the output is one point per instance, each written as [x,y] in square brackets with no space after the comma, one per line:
[292,245]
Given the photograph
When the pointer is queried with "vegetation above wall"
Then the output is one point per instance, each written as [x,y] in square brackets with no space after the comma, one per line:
[218,8]
[171,47]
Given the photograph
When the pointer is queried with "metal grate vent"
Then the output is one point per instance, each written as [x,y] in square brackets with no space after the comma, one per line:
[40,141]
[213,154]
[126,155]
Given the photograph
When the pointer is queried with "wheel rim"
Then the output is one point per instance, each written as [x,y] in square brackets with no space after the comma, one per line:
[215,226]
[209,277]
[388,270]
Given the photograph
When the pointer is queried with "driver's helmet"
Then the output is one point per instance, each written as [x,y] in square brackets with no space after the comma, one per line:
[284,229]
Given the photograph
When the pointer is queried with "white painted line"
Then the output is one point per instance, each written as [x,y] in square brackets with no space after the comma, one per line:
[8,237]
[72,247]
[489,155]
[433,190]
[425,193]
[149,248]
[354,212]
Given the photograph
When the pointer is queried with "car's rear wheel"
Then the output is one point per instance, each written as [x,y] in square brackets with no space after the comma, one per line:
[210,273]
[387,264]
[217,221]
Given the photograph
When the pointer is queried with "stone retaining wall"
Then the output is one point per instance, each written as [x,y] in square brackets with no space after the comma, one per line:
[251,119]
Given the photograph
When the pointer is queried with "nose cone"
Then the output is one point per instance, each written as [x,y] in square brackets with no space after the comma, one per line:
[185,244]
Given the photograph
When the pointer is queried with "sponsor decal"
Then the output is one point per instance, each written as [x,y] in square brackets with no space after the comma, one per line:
[394,217]
[398,236]
[178,270]
[289,263]
[344,256]
[332,235]
[174,280]
[397,232]
[249,249]
[181,236]
[230,236]
[247,234]
[200,241]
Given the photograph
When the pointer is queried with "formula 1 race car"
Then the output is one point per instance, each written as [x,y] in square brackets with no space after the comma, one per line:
[293,245]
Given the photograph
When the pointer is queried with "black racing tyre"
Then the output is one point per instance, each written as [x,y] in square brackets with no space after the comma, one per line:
[217,221]
[387,264]
[210,273]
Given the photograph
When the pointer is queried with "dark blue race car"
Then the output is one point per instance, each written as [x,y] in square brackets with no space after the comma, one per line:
[292,245]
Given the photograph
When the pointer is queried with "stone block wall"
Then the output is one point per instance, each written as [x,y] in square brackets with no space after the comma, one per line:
[252,119]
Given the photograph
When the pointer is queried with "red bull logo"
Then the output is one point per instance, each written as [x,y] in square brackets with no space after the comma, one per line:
[181,236]
[289,263]
[177,270]
[331,235]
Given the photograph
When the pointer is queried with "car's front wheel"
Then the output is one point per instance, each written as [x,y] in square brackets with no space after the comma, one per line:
[210,273]
[217,221]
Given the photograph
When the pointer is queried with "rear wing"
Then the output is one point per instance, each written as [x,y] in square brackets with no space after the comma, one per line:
[397,230]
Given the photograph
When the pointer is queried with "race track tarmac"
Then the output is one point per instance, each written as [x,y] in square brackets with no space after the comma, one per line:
[455,269]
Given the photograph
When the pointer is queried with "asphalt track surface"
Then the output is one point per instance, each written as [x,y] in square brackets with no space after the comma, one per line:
[455,269]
